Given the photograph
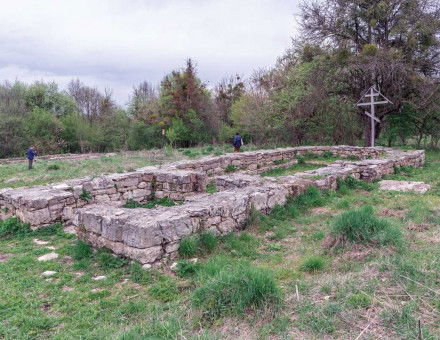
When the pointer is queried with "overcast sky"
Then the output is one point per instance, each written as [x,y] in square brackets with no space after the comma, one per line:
[119,43]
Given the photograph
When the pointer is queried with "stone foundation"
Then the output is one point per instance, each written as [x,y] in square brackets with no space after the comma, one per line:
[93,205]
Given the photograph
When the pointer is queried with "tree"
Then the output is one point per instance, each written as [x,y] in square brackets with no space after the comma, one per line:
[91,103]
[393,44]
[185,99]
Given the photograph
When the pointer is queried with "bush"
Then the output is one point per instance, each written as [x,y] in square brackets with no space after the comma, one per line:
[235,289]
[81,250]
[300,159]
[312,264]
[13,227]
[361,226]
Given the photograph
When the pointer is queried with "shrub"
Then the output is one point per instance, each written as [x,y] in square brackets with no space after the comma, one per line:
[312,264]
[188,247]
[361,226]
[81,250]
[360,300]
[13,227]
[235,289]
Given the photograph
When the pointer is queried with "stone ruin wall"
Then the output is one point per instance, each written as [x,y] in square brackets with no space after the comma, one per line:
[150,235]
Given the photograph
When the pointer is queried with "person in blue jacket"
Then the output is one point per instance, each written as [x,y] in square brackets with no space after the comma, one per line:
[238,142]
[30,155]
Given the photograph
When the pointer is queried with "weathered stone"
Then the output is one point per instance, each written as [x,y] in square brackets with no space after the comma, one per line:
[404,186]
[48,257]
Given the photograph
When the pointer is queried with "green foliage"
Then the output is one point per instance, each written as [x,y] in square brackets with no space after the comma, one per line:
[165,290]
[360,300]
[207,242]
[13,227]
[362,226]
[230,168]
[345,185]
[85,195]
[139,275]
[107,260]
[164,202]
[186,269]
[81,250]
[300,159]
[312,197]
[312,264]
[54,167]
[201,244]
[235,289]
[211,188]
[188,247]
[290,170]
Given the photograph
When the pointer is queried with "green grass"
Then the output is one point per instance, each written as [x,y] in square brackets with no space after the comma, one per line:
[211,188]
[290,170]
[312,264]
[235,289]
[362,226]
[357,282]
[164,202]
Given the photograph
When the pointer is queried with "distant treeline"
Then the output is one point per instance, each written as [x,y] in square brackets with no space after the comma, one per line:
[309,97]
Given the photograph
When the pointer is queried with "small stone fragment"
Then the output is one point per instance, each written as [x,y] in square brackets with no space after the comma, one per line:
[49,273]
[48,257]
[173,266]
[146,266]
[99,278]
[404,186]
[119,213]
[39,242]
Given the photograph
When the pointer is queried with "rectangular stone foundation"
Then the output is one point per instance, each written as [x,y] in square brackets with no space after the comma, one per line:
[150,236]
[43,205]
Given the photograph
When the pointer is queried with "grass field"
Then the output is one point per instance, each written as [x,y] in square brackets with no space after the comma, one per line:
[325,266]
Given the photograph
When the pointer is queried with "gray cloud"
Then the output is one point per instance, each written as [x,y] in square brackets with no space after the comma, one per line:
[116,43]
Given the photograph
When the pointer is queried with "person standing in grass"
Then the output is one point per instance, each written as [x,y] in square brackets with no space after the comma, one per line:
[30,155]
[238,142]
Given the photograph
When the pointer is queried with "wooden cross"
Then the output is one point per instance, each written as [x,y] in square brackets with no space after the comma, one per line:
[372,93]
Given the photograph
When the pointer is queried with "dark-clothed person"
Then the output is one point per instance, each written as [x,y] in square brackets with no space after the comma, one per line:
[30,155]
[238,142]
